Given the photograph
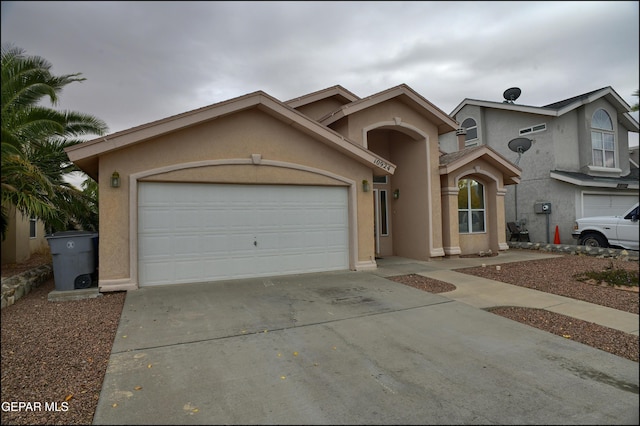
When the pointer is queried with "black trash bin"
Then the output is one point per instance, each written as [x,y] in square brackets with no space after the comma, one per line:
[74,259]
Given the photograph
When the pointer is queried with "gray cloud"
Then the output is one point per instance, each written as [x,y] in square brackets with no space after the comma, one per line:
[147,60]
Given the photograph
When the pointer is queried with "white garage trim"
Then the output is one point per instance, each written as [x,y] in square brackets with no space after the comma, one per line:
[133,283]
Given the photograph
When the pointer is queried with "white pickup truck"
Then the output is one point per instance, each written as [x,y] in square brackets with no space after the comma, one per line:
[609,231]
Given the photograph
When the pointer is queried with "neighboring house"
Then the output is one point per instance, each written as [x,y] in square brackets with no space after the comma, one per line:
[25,236]
[254,186]
[578,159]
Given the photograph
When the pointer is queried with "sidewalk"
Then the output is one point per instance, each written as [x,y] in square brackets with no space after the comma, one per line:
[485,293]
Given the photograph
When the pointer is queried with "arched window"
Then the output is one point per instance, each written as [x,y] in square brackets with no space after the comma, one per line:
[471,212]
[472,129]
[602,139]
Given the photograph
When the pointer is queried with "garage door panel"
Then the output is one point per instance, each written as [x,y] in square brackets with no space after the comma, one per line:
[186,246]
[206,232]
[214,244]
[187,270]
[185,220]
[154,219]
[151,247]
[607,204]
[157,272]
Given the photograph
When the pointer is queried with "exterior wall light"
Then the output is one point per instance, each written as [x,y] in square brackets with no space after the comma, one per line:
[396,194]
[365,185]
[115,180]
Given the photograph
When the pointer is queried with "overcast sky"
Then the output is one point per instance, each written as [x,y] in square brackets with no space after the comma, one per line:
[148,60]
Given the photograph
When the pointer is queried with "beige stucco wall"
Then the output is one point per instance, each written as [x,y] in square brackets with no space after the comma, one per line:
[238,137]
[18,246]
[399,133]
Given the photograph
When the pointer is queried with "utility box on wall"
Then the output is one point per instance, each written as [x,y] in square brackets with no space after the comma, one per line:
[542,208]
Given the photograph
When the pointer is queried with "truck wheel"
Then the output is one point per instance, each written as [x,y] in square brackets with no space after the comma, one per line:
[594,240]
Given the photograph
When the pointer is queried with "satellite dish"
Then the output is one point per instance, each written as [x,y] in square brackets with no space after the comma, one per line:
[519,145]
[510,95]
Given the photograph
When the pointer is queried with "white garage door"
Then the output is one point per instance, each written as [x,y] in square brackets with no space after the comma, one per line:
[607,205]
[207,232]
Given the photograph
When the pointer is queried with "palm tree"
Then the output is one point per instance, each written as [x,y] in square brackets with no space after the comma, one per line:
[635,106]
[34,138]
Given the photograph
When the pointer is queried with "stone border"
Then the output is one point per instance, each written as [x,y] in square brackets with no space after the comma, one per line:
[13,288]
[630,255]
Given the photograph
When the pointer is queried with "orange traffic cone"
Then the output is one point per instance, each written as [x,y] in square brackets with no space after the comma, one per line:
[556,239]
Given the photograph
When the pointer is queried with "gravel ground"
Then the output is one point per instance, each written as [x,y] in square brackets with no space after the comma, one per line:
[57,352]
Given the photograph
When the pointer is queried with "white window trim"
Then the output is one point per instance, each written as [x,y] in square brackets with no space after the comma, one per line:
[592,166]
[470,211]
[474,141]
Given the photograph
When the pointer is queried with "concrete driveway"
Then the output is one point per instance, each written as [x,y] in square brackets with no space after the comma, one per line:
[347,348]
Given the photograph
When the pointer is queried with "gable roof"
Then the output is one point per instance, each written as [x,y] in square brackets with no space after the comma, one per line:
[559,108]
[457,159]
[405,94]
[85,155]
[338,92]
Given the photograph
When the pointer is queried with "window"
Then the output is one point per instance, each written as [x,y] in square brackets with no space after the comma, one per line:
[384,220]
[33,222]
[533,129]
[471,213]
[380,179]
[602,139]
[472,130]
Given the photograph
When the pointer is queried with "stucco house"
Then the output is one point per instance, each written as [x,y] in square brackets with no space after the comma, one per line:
[254,186]
[577,159]
[25,237]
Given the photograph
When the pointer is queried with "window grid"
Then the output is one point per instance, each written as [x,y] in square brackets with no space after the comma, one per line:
[471,207]
[472,131]
[602,140]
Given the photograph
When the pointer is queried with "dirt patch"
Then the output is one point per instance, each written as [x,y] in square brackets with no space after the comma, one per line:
[38,259]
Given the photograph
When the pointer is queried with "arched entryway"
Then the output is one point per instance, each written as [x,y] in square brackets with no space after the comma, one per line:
[404,210]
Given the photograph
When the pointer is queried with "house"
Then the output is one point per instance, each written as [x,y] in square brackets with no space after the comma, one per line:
[574,155]
[254,186]
[25,236]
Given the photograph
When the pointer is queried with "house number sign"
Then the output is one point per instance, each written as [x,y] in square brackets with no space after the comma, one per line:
[382,164]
